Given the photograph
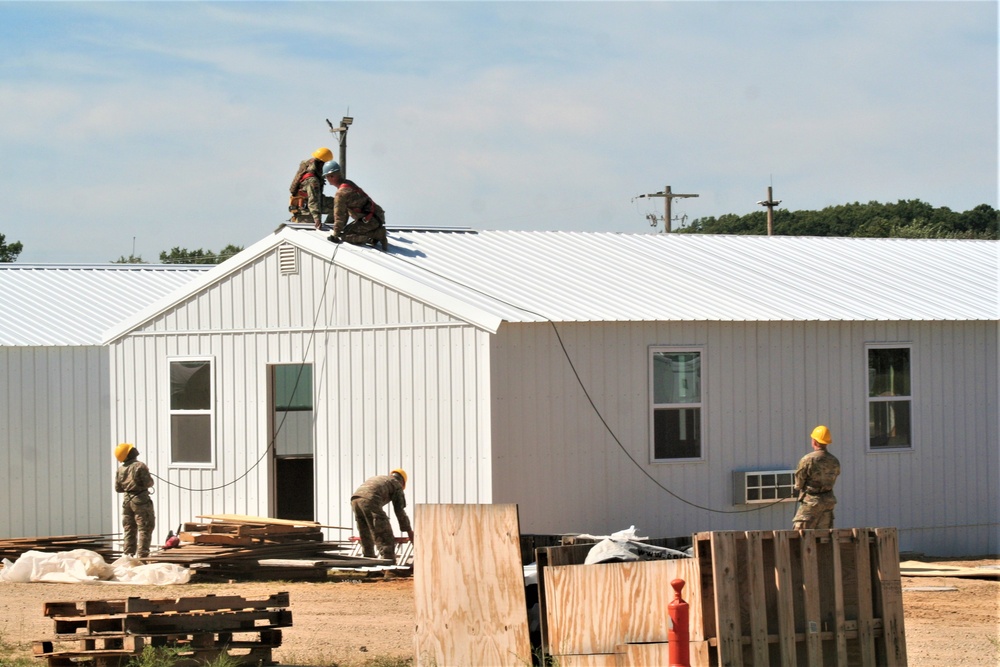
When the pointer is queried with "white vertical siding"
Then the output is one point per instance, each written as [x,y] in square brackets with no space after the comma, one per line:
[56,441]
[396,384]
[766,385]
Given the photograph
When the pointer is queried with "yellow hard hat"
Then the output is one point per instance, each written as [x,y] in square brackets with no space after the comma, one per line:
[401,473]
[821,434]
[323,154]
[122,450]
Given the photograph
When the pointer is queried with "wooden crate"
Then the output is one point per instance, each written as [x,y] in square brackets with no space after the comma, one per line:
[761,598]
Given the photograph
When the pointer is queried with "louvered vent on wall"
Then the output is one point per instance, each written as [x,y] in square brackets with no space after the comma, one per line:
[762,486]
[288,259]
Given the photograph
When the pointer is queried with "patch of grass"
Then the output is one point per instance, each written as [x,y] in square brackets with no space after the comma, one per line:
[163,656]
[7,648]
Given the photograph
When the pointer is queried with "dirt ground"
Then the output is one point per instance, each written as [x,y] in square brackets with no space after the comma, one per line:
[350,623]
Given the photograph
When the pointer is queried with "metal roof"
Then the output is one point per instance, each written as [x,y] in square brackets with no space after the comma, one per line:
[523,276]
[73,304]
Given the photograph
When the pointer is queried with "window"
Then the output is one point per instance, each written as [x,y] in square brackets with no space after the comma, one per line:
[191,411]
[676,403]
[293,410]
[889,398]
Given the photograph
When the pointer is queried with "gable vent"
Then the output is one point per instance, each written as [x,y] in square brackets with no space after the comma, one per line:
[288,260]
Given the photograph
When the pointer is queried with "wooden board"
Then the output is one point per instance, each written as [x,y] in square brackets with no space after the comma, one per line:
[913,568]
[591,609]
[265,520]
[892,596]
[469,586]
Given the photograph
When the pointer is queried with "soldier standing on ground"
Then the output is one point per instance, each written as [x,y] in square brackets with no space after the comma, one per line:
[373,523]
[138,517]
[814,479]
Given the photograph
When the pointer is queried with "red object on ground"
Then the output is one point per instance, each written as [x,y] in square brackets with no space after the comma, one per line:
[678,651]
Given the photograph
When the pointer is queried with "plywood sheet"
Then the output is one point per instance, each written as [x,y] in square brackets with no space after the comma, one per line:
[658,654]
[469,586]
[593,608]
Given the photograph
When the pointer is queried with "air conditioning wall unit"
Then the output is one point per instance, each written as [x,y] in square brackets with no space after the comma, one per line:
[752,487]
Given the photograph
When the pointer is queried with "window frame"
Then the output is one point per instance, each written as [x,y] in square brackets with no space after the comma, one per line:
[701,405]
[211,412]
[910,398]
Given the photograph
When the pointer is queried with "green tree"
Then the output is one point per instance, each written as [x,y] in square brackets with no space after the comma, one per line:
[9,251]
[184,256]
[131,259]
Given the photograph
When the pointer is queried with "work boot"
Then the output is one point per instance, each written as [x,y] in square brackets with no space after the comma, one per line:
[381,237]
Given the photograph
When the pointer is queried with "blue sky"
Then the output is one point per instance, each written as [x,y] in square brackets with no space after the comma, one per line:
[152,125]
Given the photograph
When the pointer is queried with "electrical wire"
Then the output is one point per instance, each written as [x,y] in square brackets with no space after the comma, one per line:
[590,400]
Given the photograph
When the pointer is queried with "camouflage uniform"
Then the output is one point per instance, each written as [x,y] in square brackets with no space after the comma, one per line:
[133,479]
[373,523]
[368,224]
[814,479]
[308,187]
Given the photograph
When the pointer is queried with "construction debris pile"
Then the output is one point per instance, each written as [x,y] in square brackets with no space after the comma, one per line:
[237,546]
[12,547]
[106,633]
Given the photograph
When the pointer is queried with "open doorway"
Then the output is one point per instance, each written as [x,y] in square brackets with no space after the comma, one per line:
[292,431]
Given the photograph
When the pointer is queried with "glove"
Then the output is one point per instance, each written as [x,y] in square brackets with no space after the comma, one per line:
[334,238]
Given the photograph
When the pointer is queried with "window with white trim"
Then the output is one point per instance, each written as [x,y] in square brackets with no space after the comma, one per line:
[676,403]
[890,397]
[191,412]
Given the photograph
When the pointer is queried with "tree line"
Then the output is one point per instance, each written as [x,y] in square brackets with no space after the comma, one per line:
[905,219]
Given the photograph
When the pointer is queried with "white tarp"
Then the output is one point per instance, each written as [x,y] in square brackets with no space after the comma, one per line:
[81,566]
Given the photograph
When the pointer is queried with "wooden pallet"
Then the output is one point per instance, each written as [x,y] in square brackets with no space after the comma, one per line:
[802,597]
[108,633]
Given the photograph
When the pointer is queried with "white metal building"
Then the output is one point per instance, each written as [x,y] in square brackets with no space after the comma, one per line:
[597,380]
[55,444]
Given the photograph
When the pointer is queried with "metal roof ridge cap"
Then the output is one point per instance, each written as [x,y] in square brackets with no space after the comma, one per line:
[355,260]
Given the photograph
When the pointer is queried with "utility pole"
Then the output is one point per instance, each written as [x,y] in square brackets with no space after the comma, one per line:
[770,204]
[668,196]
[345,123]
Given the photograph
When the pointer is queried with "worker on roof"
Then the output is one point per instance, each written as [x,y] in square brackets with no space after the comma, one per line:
[138,518]
[814,479]
[373,523]
[367,224]
[307,203]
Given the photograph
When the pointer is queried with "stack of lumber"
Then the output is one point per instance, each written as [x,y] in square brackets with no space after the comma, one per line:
[106,633]
[238,546]
[12,547]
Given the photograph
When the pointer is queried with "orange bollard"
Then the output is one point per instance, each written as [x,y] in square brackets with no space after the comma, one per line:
[678,650]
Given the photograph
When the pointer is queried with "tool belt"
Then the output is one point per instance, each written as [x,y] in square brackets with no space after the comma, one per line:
[297,203]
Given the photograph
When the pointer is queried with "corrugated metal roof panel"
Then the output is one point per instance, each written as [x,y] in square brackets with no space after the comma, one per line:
[69,305]
[596,276]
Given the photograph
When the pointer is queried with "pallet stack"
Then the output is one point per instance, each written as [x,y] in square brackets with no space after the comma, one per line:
[110,633]
[228,546]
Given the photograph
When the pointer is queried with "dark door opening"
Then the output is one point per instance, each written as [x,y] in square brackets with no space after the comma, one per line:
[292,432]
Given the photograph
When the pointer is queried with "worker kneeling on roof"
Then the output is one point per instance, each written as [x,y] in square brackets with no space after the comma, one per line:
[367,224]
[373,523]
[138,516]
